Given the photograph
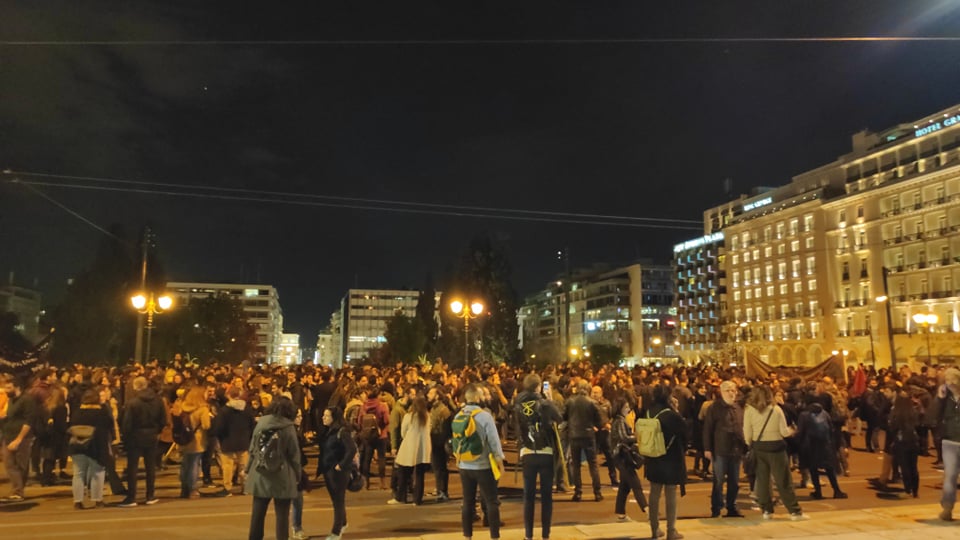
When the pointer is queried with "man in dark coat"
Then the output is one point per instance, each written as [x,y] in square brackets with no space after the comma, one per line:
[142,420]
[723,444]
[583,422]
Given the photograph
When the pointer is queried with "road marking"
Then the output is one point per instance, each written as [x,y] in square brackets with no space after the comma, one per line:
[135,518]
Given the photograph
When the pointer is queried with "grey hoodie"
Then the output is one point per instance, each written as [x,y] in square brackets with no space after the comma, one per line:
[281,484]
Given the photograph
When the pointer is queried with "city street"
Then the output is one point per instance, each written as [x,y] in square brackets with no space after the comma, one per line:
[48,513]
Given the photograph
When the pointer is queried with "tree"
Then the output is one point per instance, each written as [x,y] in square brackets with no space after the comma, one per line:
[426,313]
[483,273]
[406,339]
[602,354]
[12,341]
[208,329]
[94,323]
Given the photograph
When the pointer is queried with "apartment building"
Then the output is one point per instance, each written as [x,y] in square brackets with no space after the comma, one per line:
[701,297]
[261,305]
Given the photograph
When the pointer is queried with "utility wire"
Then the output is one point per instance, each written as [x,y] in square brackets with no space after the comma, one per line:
[250,198]
[69,211]
[442,42]
[358,199]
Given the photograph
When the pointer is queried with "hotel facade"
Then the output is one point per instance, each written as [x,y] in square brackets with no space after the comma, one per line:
[859,257]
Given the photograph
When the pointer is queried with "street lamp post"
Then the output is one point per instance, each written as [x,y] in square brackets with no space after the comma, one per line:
[460,310]
[150,306]
[927,320]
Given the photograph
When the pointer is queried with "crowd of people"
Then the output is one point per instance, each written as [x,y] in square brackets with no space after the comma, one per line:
[255,424]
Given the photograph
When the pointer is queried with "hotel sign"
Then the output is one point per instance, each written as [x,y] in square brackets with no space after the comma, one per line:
[757,204]
[697,242]
[937,126]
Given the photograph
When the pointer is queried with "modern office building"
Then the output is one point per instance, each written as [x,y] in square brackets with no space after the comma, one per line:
[860,256]
[26,305]
[363,318]
[289,349]
[701,298]
[261,304]
[628,307]
[327,351]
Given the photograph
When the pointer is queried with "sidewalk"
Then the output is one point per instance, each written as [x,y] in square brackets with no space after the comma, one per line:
[917,522]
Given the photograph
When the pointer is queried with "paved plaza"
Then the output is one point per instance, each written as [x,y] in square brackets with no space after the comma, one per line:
[868,513]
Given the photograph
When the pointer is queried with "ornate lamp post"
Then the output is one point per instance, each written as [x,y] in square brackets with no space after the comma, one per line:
[150,306]
[926,320]
[460,310]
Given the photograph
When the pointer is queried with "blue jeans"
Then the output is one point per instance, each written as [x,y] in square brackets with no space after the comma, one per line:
[189,471]
[725,469]
[298,512]
[87,472]
[951,466]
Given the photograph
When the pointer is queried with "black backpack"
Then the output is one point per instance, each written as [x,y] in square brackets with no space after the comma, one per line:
[183,430]
[534,433]
[369,425]
[267,454]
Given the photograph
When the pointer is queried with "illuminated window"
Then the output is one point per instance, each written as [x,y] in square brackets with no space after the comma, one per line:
[795,245]
[808,223]
[812,285]
[797,286]
[783,288]
[808,242]
[768,251]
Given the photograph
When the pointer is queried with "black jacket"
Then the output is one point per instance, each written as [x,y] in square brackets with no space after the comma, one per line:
[143,419]
[98,417]
[234,427]
[670,468]
[723,429]
[338,447]
[549,417]
[582,417]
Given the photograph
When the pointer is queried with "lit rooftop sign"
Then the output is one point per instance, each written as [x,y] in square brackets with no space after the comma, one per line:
[697,242]
[937,126]
[757,204]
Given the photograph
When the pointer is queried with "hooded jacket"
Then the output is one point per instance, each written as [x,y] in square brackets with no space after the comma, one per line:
[282,483]
[200,420]
[234,426]
[143,419]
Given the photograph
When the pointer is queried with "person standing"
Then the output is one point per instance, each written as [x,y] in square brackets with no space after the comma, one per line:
[476,472]
[945,414]
[192,410]
[817,451]
[274,470]
[765,426]
[90,460]
[413,458]
[373,421]
[537,419]
[723,444]
[233,428]
[583,422]
[23,414]
[903,423]
[143,418]
[441,411]
[625,454]
[668,472]
[603,433]
[337,452]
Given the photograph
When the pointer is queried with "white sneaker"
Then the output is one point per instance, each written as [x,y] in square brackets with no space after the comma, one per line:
[768,515]
[298,535]
[799,516]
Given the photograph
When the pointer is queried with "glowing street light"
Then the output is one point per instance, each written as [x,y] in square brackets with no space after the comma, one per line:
[926,320]
[460,310]
[150,306]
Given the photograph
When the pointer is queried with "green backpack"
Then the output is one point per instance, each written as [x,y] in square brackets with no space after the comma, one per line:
[466,442]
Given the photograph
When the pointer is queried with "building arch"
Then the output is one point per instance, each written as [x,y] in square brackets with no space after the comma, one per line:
[787,359]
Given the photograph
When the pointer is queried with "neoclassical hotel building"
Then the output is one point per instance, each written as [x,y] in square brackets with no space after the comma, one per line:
[860,256]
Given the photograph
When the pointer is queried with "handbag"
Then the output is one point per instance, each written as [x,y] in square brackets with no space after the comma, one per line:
[355,480]
[750,458]
[81,438]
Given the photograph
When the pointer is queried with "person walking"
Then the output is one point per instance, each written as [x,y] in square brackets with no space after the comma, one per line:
[141,422]
[903,423]
[764,427]
[337,452]
[723,444]
[274,468]
[603,433]
[484,444]
[627,457]
[193,412]
[668,472]
[413,457]
[20,421]
[583,422]
[537,419]
[233,428]
[90,458]
[945,414]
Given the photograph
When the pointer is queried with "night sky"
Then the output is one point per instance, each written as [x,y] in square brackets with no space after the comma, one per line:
[515,105]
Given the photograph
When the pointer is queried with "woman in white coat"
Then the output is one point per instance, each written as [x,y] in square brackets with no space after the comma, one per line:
[413,457]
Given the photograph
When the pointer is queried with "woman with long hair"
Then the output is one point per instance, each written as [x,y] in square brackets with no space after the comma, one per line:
[904,419]
[337,453]
[668,472]
[413,456]
[266,480]
[625,453]
[764,429]
[192,408]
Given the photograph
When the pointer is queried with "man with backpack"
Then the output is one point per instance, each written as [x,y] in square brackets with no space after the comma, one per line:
[537,419]
[583,422]
[476,445]
[372,422]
